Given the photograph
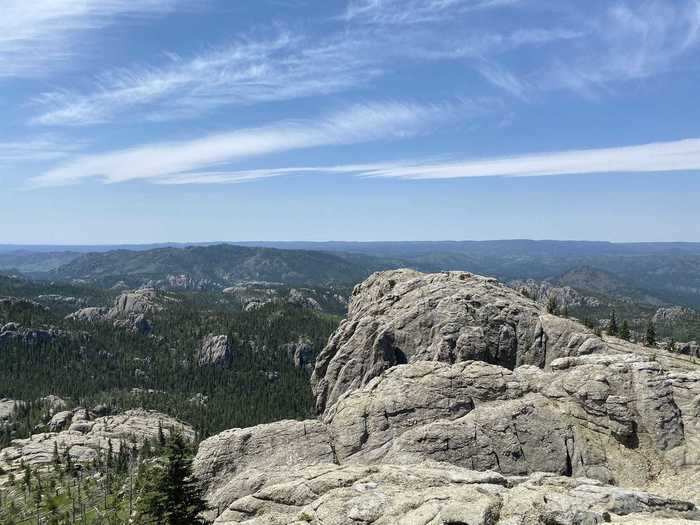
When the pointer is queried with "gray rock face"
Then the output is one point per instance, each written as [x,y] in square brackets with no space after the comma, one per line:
[86,437]
[301,354]
[144,301]
[439,493]
[235,463]
[532,420]
[403,316]
[215,351]
[596,416]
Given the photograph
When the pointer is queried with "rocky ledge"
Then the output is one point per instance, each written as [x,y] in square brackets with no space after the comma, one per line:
[83,436]
[449,399]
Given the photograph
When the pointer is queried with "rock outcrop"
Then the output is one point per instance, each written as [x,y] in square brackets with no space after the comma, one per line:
[301,354]
[543,291]
[7,409]
[402,316]
[129,311]
[84,438]
[14,332]
[673,314]
[691,348]
[449,398]
[215,350]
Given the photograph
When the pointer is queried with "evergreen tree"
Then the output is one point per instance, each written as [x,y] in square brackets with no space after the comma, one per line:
[170,493]
[110,454]
[650,339]
[625,330]
[612,326]
[55,457]
[552,306]
[161,435]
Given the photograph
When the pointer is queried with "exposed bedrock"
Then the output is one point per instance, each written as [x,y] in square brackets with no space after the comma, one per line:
[449,398]
[404,316]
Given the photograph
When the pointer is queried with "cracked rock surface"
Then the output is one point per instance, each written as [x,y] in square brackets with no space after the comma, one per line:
[449,398]
[403,316]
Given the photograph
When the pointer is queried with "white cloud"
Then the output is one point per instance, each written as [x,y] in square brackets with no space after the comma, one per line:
[682,155]
[358,124]
[504,79]
[629,41]
[248,72]
[38,149]
[392,12]
[36,35]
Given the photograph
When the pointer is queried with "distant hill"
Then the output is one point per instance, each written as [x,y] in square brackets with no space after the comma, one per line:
[202,267]
[589,280]
[651,272]
[28,261]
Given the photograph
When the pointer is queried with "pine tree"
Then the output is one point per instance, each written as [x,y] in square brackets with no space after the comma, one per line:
[55,457]
[650,339]
[552,306]
[612,326]
[625,330]
[170,493]
[161,435]
[110,454]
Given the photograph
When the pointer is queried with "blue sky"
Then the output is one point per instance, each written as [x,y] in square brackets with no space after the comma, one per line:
[200,120]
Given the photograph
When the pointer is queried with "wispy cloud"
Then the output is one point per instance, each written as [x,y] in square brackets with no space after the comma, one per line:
[393,12]
[358,124]
[247,72]
[504,79]
[629,41]
[287,67]
[36,35]
[682,155]
[37,149]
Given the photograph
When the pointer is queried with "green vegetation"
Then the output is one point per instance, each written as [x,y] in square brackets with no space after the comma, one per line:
[625,330]
[211,267]
[613,329]
[650,337]
[152,484]
[122,370]
[169,495]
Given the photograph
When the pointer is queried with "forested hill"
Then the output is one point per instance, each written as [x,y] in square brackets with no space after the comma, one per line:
[216,266]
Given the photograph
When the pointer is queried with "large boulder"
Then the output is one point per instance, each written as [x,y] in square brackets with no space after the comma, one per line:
[402,316]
